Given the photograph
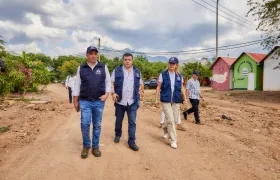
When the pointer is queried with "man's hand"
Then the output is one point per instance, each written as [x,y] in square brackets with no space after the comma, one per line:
[115,97]
[104,97]
[76,105]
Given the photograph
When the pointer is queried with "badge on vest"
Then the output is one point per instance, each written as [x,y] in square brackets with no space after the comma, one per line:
[98,71]
[178,78]
[138,75]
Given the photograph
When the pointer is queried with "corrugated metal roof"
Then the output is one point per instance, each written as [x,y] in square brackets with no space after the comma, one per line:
[256,57]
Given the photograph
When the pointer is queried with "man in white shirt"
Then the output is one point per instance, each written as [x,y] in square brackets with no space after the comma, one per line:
[69,84]
[91,89]
[127,89]
[193,93]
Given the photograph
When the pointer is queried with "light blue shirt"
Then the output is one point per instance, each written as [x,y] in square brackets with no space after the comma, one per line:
[194,88]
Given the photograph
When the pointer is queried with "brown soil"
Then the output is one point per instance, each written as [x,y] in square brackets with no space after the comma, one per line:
[44,141]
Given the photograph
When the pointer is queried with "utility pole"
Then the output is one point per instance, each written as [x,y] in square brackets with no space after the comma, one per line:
[217,27]
[99,49]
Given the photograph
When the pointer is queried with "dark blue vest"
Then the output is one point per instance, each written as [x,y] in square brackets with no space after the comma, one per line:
[92,82]
[165,93]
[118,84]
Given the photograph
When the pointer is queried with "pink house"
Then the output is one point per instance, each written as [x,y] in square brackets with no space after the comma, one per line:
[222,73]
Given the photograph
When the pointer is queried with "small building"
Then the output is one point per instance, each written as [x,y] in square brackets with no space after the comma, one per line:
[222,73]
[271,70]
[248,71]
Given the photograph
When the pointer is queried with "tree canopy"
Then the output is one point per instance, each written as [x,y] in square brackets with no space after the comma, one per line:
[268,15]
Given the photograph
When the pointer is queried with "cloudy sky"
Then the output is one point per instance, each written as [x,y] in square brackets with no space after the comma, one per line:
[63,27]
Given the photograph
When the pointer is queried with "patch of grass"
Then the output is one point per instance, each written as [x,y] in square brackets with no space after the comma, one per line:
[4,129]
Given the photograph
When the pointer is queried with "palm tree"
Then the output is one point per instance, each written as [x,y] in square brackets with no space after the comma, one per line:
[2,42]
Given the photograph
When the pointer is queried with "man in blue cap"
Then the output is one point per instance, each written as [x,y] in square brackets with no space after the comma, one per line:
[170,86]
[193,92]
[91,89]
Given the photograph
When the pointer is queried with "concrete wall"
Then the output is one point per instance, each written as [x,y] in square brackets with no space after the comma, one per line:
[271,72]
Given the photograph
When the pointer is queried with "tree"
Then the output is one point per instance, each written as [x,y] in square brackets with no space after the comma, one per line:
[22,75]
[204,71]
[67,68]
[268,13]
[2,42]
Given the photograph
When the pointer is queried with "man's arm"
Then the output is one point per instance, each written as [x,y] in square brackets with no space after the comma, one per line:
[114,95]
[76,89]
[200,93]
[66,81]
[108,81]
[141,87]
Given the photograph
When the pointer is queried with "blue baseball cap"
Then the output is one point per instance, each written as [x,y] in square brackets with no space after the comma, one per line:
[173,60]
[195,72]
[91,48]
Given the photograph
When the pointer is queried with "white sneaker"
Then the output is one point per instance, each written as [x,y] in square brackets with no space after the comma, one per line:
[165,136]
[173,145]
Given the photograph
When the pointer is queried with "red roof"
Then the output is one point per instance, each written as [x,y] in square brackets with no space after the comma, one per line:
[227,60]
[256,57]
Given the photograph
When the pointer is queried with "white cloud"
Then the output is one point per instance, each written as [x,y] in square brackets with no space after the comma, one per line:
[38,31]
[126,24]
[18,48]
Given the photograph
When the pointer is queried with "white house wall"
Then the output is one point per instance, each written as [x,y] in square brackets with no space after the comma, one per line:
[271,77]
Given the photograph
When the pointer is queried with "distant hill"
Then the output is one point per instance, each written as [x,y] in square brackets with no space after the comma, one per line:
[113,53]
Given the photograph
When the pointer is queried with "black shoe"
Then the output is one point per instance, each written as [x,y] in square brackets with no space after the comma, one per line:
[185,115]
[117,139]
[134,147]
[198,123]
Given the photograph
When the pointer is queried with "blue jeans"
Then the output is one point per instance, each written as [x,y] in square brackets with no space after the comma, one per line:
[131,114]
[91,111]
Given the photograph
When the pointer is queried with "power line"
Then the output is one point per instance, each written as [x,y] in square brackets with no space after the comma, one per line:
[233,12]
[190,51]
[186,51]
[251,24]
[222,15]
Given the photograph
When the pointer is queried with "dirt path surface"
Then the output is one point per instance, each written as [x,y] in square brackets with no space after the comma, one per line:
[46,142]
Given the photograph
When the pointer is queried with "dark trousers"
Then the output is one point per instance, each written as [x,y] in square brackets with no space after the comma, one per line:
[131,114]
[70,94]
[194,109]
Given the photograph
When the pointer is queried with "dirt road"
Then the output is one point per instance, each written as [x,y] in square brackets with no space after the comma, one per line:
[216,150]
